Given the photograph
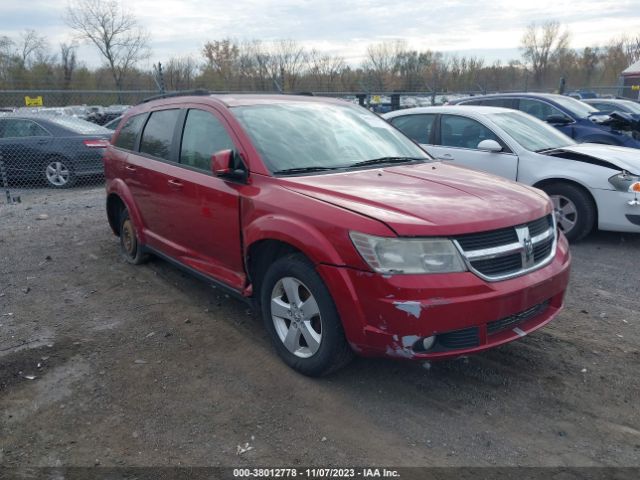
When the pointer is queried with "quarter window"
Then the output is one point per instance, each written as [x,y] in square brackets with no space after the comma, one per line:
[203,136]
[158,133]
[416,127]
[463,132]
[129,132]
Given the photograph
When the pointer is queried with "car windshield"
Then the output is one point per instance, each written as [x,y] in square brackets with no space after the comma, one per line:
[531,133]
[79,126]
[628,105]
[323,136]
[576,107]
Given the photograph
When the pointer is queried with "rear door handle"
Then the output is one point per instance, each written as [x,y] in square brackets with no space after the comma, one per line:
[43,142]
[130,168]
[175,183]
[445,156]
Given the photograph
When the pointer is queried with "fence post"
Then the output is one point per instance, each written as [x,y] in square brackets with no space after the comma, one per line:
[5,184]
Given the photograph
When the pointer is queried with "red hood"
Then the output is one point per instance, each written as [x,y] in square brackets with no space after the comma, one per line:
[427,199]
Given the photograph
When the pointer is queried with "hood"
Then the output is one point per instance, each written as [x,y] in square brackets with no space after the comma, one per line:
[610,156]
[428,198]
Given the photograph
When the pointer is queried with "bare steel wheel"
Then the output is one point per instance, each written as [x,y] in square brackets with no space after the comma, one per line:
[130,249]
[574,207]
[301,317]
[58,173]
[296,317]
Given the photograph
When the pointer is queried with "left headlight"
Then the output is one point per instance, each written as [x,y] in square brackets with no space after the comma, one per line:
[625,182]
[408,255]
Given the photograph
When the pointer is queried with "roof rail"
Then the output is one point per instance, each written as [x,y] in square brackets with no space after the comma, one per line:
[183,93]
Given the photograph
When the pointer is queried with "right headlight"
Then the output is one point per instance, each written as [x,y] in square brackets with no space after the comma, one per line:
[408,255]
[625,182]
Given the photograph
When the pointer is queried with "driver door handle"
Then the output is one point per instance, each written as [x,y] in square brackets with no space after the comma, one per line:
[130,168]
[175,183]
[445,156]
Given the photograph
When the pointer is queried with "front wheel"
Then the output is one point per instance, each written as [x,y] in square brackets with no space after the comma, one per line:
[574,208]
[58,173]
[301,317]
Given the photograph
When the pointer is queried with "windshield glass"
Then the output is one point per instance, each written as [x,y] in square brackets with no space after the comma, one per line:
[630,106]
[79,126]
[308,135]
[576,107]
[530,132]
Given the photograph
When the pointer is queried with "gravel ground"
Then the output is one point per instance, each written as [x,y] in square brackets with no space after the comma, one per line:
[104,363]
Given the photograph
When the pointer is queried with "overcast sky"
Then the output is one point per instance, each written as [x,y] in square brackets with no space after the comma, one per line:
[487,28]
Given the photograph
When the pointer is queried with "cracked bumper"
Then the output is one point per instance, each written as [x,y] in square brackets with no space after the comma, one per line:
[385,316]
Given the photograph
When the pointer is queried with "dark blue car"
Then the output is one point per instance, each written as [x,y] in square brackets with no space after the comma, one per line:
[574,118]
[609,105]
[53,150]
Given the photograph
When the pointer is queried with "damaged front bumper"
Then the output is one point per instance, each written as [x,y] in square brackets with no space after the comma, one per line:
[392,315]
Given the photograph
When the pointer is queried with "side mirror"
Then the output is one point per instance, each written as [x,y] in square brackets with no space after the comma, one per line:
[223,165]
[221,162]
[558,119]
[489,146]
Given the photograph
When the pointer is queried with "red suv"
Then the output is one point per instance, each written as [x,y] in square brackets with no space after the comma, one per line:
[345,234]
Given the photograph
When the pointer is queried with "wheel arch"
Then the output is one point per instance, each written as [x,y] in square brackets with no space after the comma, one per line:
[119,197]
[549,181]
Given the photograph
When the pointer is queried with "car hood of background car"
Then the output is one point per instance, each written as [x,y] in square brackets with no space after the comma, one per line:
[620,158]
[427,199]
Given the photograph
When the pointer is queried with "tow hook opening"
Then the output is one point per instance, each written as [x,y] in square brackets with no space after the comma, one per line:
[424,344]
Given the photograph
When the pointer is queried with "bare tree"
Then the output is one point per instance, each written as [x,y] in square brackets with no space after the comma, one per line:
[542,44]
[68,62]
[180,72]
[222,58]
[114,31]
[325,70]
[381,62]
[32,46]
[287,60]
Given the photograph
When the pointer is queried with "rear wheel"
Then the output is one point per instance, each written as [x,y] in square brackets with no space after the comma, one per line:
[301,318]
[575,211]
[130,249]
[58,173]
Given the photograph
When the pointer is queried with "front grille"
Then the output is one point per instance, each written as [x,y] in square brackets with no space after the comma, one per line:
[476,241]
[515,319]
[465,338]
[508,252]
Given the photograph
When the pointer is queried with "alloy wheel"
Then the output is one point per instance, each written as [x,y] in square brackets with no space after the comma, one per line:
[296,317]
[58,174]
[566,212]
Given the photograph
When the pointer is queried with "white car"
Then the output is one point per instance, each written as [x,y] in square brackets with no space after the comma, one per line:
[589,184]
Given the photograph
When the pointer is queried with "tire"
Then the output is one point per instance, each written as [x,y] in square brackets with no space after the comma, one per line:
[308,336]
[575,210]
[58,173]
[130,249]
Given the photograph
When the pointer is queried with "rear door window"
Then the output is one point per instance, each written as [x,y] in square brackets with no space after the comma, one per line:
[129,132]
[158,133]
[203,135]
[462,132]
[22,129]
[538,109]
[417,127]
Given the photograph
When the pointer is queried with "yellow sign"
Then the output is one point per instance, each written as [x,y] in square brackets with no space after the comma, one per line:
[635,87]
[33,101]
[375,99]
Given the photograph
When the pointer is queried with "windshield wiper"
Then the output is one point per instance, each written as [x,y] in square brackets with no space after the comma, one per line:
[293,171]
[383,160]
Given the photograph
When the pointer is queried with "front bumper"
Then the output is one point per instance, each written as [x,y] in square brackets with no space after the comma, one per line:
[614,211]
[388,315]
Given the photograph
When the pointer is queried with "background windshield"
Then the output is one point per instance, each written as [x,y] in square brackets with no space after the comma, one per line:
[530,132]
[298,135]
[578,108]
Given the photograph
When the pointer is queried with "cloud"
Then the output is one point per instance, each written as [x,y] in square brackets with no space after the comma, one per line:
[181,27]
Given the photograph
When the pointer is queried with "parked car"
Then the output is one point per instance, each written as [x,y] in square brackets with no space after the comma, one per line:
[53,149]
[347,235]
[610,105]
[582,94]
[113,124]
[572,117]
[589,184]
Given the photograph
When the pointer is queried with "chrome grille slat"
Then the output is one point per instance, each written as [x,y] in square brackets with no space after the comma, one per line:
[509,252]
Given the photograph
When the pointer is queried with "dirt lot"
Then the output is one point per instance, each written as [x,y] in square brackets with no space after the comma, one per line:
[146,366]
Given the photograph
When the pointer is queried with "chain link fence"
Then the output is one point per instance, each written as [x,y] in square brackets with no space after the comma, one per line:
[55,139]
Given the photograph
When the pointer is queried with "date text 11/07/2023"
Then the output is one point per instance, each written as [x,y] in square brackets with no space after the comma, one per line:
[242,473]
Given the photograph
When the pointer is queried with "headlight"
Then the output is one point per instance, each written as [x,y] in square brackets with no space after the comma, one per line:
[408,255]
[626,182]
